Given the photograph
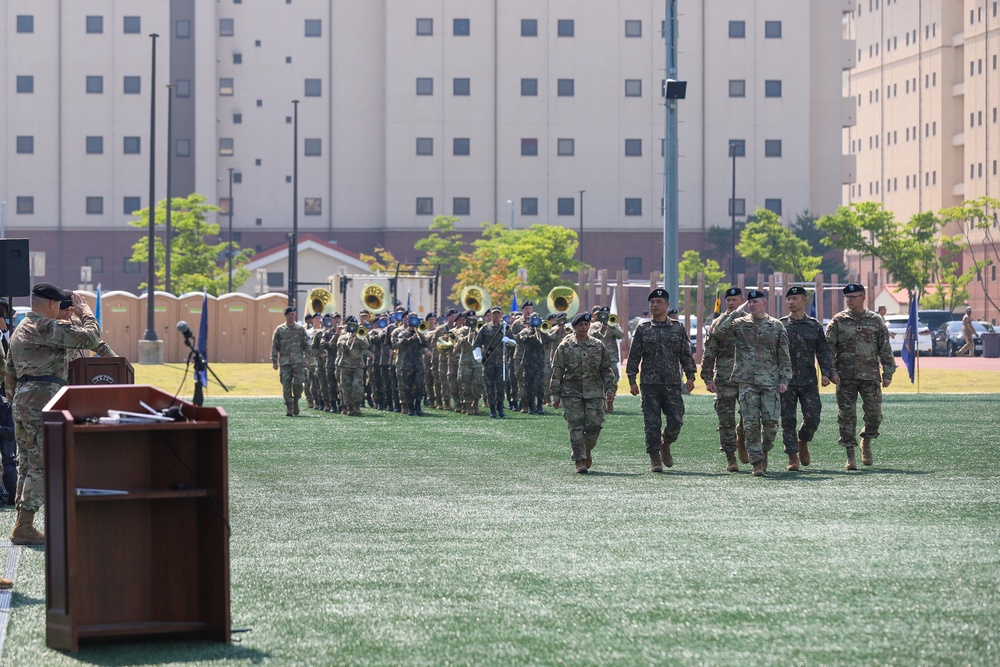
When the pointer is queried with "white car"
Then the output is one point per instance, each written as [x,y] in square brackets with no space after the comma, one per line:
[897,334]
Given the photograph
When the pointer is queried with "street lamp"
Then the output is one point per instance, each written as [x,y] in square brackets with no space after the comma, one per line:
[170,155]
[581,225]
[293,241]
[732,213]
[510,203]
[150,334]
[230,249]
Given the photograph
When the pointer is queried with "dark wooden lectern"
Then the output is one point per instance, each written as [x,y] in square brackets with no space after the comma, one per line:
[101,370]
[136,519]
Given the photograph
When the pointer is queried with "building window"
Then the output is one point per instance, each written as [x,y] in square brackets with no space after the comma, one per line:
[182,29]
[314,28]
[460,87]
[183,88]
[183,148]
[225,87]
[773,205]
[132,85]
[26,144]
[25,23]
[633,87]
[460,27]
[425,86]
[132,25]
[130,205]
[96,264]
[313,206]
[425,146]
[425,206]
[633,28]
[25,84]
[772,88]
[737,88]
[95,145]
[529,205]
[633,206]
[225,146]
[313,147]
[565,28]
[529,146]
[314,87]
[237,177]
[566,206]
[95,205]
[460,146]
[25,205]
[633,265]
[566,147]
[237,58]
[95,84]
[737,207]
[772,29]
[565,87]
[425,27]
[772,148]
[633,147]
[128,266]
[737,29]
[132,145]
[529,87]
[737,147]
[95,25]
[225,27]
[461,206]
[529,27]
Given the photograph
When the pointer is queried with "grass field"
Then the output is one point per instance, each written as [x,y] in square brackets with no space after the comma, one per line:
[451,540]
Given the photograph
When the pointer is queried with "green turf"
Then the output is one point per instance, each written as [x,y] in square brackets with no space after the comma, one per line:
[450,540]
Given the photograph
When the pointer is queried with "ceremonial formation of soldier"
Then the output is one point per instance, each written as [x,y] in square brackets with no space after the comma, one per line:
[762,370]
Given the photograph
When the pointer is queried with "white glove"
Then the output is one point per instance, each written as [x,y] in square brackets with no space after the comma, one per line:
[509,341]
[477,354]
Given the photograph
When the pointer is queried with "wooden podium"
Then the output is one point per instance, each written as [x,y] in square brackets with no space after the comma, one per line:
[136,520]
[101,370]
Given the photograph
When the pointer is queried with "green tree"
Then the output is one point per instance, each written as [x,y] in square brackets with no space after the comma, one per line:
[443,246]
[690,266]
[805,228]
[721,239]
[381,260]
[765,240]
[977,217]
[195,264]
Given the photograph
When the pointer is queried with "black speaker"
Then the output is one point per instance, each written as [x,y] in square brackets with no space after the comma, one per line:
[15,271]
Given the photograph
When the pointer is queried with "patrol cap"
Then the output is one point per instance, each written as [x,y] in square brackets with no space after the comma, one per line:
[756,294]
[795,290]
[336,316]
[658,293]
[734,291]
[582,317]
[290,309]
[47,291]
[528,303]
[854,288]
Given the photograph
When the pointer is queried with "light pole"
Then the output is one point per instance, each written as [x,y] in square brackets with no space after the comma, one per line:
[170,154]
[732,213]
[510,203]
[229,251]
[293,242]
[581,225]
[150,334]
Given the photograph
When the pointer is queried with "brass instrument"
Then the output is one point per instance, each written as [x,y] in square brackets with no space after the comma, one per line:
[475,299]
[361,332]
[445,343]
[320,301]
[545,326]
[612,320]
[563,301]
[478,325]
[374,298]
[423,327]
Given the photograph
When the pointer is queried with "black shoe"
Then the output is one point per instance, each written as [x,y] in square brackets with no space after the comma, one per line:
[500,413]
[493,414]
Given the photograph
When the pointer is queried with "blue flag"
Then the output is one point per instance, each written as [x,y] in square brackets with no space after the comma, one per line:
[97,308]
[202,376]
[812,308]
[513,303]
[910,350]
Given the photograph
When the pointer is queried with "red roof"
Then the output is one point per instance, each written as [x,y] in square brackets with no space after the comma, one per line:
[283,247]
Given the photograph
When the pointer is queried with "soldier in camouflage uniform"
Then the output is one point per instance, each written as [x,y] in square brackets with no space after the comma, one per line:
[582,379]
[557,331]
[531,342]
[289,350]
[609,334]
[491,341]
[859,342]
[382,350]
[443,340]
[451,377]
[763,370]
[806,345]
[36,368]
[310,383]
[321,387]
[329,345]
[661,347]
[717,372]
[470,370]
[351,350]
[431,361]
[410,346]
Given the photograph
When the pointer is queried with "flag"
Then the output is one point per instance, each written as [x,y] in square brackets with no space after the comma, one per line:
[910,351]
[812,308]
[613,307]
[408,309]
[718,304]
[513,303]
[97,308]
[202,376]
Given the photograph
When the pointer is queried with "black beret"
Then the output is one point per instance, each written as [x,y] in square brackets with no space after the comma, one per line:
[673,311]
[658,293]
[47,291]
[756,294]
[290,309]
[351,320]
[854,288]
[496,309]
[529,303]
[550,316]
[336,315]
[451,311]
[582,317]
[595,309]
[67,301]
[796,289]
[430,315]
[734,291]
[327,321]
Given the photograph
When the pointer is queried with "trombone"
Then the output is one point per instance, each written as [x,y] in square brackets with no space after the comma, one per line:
[361,332]
[612,320]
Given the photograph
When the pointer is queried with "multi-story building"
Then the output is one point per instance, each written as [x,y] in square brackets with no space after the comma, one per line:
[519,112]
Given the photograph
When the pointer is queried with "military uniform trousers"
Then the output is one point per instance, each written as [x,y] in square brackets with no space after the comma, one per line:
[726,398]
[658,401]
[760,408]
[352,386]
[30,463]
[847,409]
[532,389]
[309,383]
[493,376]
[410,379]
[430,381]
[472,383]
[333,385]
[291,382]
[452,378]
[806,395]
[584,417]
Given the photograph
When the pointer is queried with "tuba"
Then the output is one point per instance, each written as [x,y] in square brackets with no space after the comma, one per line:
[563,301]
[475,299]
[373,298]
[320,301]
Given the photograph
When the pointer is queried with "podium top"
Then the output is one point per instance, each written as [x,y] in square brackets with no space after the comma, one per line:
[96,400]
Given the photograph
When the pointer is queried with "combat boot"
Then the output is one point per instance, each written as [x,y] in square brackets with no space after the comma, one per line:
[793,462]
[524,407]
[295,407]
[866,452]
[581,467]
[474,410]
[764,462]
[852,464]
[655,463]
[731,464]
[6,584]
[741,446]
[24,532]
[589,461]
[611,404]
[289,411]
[758,468]
[668,459]
[804,452]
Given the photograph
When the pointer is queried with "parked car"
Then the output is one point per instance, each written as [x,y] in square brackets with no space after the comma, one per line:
[948,338]
[897,334]
[935,318]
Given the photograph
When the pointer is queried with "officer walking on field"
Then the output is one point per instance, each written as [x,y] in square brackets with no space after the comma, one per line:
[289,350]
[717,372]
[859,342]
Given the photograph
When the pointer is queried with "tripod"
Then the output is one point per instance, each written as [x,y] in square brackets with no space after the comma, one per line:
[200,376]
